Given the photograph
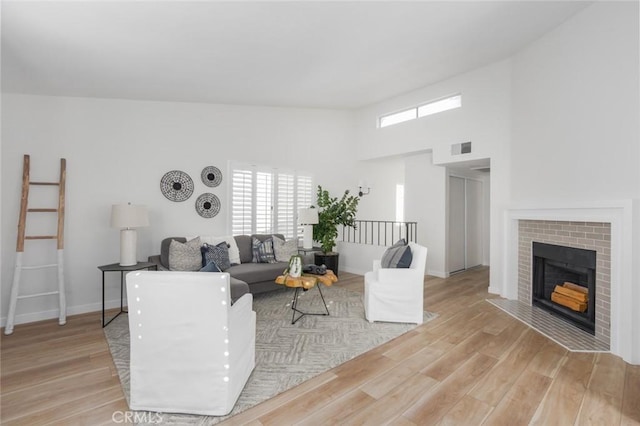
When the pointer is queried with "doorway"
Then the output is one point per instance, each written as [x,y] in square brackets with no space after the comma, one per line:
[465,223]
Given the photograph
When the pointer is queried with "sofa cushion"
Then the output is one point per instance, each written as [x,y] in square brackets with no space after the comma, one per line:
[238,289]
[185,256]
[164,249]
[242,241]
[257,272]
[284,249]
[234,253]
[263,237]
[244,248]
[210,267]
[218,254]
[263,251]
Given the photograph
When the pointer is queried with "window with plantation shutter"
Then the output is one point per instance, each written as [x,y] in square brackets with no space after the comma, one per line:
[286,208]
[304,196]
[241,201]
[264,203]
[266,200]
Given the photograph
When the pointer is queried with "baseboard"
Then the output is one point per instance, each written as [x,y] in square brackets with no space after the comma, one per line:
[353,270]
[494,290]
[71,310]
[439,274]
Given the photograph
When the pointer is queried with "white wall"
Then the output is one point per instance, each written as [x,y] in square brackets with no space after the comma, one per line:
[483,119]
[382,176]
[426,203]
[559,120]
[118,150]
[575,110]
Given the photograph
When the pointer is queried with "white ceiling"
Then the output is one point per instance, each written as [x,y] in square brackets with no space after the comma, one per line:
[302,54]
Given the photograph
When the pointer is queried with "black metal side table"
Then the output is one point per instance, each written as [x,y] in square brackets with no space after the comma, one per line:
[307,251]
[115,267]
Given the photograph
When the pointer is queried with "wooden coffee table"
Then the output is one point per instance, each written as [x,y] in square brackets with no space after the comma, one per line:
[306,282]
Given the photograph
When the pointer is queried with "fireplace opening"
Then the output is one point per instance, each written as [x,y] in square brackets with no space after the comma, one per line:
[564,283]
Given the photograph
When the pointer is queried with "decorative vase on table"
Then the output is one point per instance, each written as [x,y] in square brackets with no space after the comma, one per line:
[295,266]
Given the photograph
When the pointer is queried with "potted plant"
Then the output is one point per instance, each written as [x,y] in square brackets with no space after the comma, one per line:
[332,212]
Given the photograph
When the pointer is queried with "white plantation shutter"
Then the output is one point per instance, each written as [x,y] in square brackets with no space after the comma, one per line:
[241,202]
[266,201]
[304,192]
[304,196]
[286,208]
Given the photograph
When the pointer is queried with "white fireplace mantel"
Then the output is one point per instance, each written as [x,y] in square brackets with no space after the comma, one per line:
[624,329]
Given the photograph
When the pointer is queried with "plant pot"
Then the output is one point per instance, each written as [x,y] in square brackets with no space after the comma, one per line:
[330,260]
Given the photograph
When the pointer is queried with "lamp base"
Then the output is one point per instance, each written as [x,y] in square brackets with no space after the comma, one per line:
[307,236]
[128,241]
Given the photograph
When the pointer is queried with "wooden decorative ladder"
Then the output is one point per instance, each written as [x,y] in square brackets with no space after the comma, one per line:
[22,222]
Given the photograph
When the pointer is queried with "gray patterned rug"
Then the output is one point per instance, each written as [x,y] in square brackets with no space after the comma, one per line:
[286,354]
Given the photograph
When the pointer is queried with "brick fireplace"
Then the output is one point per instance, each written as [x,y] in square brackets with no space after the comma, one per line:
[594,236]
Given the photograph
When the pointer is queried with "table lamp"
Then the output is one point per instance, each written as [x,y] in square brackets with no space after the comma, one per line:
[307,218]
[127,217]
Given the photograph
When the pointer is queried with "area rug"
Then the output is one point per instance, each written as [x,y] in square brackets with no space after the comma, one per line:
[286,354]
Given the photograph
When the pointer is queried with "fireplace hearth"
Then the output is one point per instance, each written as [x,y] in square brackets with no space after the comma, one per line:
[555,265]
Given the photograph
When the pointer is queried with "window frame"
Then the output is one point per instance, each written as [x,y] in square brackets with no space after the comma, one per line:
[416,110]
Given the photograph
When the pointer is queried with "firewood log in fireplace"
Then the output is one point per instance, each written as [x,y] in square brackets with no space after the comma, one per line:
[575,287]
[568,302]
[574,294]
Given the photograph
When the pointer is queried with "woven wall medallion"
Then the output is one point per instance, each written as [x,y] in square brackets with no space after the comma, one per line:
[208,205]
[176,185]
[211,176]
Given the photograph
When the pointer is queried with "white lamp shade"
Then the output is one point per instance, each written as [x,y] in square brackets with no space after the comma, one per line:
[129,216]
[307,216]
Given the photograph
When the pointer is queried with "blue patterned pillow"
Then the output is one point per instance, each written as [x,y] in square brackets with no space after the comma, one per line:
[210,267]
[397,256]
[218,254]
[263,251]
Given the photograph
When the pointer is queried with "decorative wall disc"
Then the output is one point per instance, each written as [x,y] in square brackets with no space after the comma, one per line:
[208,205]
[211,176]
[176,185]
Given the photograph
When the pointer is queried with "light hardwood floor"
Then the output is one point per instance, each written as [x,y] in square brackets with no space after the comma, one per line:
[472,365]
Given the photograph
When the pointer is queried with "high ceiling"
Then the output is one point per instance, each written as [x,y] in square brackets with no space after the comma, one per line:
[297,54]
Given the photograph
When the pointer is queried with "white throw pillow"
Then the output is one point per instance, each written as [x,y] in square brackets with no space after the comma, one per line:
[234,251]
[284,249]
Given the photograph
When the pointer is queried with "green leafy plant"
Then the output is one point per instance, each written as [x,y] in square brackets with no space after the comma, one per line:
[331,213]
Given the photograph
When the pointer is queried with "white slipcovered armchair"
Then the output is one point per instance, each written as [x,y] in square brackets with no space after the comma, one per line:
[396,295]
[191,350]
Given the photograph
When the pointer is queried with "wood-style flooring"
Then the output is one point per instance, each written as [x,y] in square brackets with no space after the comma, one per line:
[472,365]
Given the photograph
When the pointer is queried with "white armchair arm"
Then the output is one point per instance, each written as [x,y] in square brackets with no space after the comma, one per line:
[241,310]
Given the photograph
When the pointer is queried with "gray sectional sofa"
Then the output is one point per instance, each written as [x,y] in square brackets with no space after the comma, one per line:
[245,277]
